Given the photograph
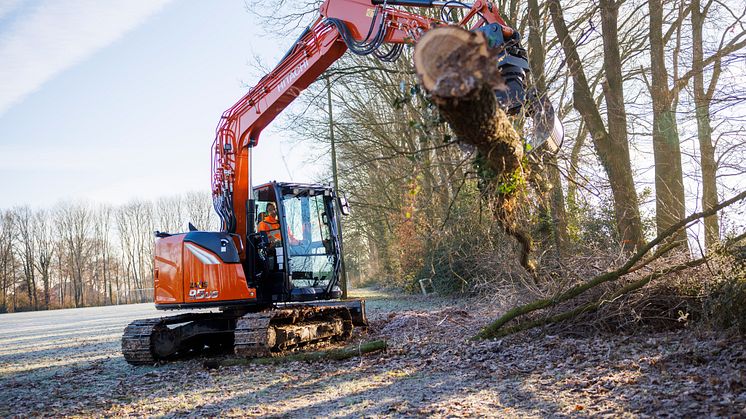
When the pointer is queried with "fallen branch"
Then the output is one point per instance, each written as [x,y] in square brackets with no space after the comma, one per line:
[594,305]
[333,354]
[494,329]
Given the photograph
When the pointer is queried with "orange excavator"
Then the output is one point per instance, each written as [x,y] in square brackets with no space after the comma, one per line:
[276,288]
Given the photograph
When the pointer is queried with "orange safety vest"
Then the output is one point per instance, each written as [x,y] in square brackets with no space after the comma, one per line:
[272,226]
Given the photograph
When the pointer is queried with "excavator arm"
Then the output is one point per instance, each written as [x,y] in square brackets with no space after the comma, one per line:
[363,27]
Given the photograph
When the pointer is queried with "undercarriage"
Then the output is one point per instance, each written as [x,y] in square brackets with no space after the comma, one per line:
[258,334]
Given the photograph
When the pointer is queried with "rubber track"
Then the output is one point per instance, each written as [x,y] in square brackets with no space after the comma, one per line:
[251,334]
[136,345]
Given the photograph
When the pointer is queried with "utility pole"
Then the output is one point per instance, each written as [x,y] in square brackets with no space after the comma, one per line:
[338,214]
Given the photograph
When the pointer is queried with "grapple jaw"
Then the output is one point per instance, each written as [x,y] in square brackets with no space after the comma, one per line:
[547,132]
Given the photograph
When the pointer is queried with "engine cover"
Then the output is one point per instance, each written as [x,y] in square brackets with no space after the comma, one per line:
[198,269]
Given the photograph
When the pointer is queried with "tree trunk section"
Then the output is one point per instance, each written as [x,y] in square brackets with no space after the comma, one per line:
[610,150]
[702,100]
[616,113]
[669,184]
[459,70]
[536,58]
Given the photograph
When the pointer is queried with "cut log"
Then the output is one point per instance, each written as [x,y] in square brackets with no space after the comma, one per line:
[459,70]
[333,354]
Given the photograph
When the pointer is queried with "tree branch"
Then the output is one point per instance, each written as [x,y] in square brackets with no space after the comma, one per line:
[493,329]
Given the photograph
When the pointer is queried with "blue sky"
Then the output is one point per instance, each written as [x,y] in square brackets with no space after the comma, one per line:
[108,101]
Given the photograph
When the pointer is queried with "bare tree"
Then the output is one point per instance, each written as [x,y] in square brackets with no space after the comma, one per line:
[7,259]
[62,271]
[135,228]
[23,220]
[84,256]
[669,179]
[197,209]
[611,144]
[537,58]
[169,213]
[73,228]
[104,253]
[44,245]
[732,35]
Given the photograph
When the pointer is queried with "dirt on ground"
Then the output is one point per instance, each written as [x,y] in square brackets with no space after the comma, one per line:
[68,364]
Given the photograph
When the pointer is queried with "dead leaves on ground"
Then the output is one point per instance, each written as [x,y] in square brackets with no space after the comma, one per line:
[430,369]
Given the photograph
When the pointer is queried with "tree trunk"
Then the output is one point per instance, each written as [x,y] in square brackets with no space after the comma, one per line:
[5,261]
[572,172]
[45,281]
[62,274]
[28,273]
[78,284]
[702,99]
[669,184]
[15,283]
[612,151]
[616,113]
[536,58]
[458,69]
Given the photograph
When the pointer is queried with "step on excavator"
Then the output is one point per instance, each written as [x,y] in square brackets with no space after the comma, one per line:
[271,275]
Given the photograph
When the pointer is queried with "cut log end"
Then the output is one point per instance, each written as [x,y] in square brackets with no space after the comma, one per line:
[447,53]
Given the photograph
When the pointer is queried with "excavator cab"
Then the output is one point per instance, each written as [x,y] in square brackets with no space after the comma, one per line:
[297,245]
[293,254]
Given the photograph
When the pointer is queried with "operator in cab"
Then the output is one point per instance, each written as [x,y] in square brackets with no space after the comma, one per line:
[271,225]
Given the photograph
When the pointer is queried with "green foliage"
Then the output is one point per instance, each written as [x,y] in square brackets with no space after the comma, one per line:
[725,307]
[511,182]
[592,226]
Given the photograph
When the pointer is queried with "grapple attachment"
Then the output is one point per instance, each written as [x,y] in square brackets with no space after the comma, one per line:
[547,130]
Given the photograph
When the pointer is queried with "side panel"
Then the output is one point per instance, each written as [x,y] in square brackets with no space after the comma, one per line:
[168,274]
[207,279]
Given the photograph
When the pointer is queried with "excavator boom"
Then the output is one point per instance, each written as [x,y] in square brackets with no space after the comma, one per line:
[363,27]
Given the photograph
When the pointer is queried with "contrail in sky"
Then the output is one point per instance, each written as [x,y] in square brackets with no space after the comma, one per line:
[39,40]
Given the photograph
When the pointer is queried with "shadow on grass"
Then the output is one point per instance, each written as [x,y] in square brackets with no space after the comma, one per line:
[350,391]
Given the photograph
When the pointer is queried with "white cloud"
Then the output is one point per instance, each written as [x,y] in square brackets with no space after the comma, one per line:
[57,34]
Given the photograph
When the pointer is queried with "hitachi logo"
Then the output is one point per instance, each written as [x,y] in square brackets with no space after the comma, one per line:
[297,71]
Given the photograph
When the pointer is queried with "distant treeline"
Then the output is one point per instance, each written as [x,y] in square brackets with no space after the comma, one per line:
[79,254]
